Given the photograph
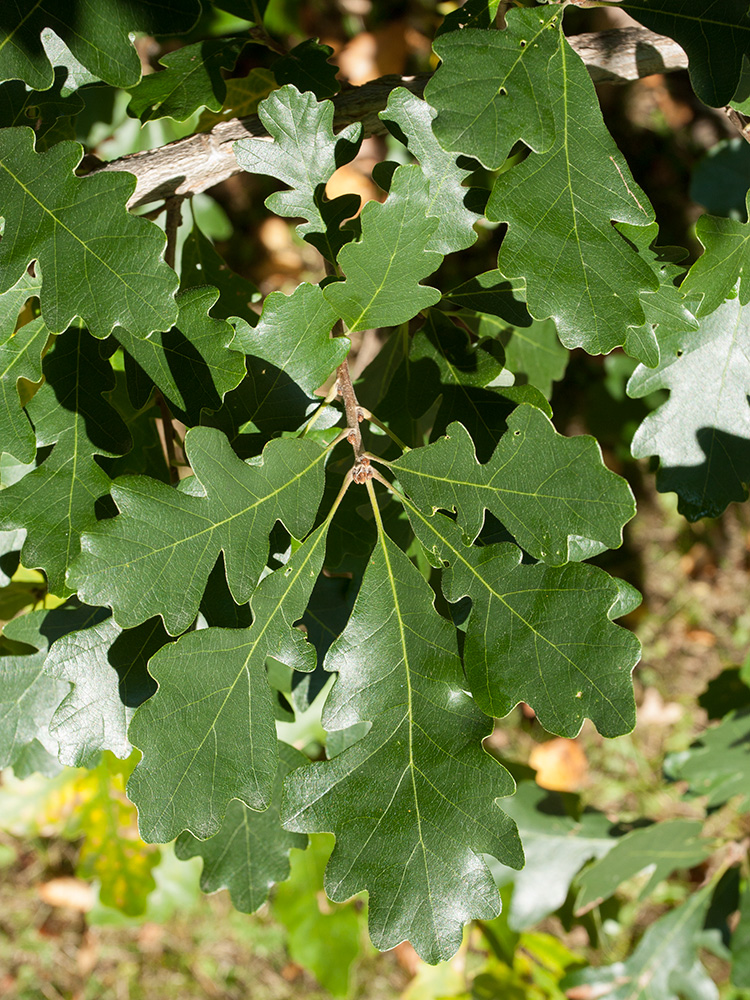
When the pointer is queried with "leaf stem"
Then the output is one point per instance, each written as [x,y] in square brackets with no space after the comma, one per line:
[173,207]
[379,423]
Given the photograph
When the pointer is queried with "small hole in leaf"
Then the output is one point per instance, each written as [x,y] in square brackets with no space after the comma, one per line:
[32,111]
[522,43]
[503,92]
[516,433]
[680,353]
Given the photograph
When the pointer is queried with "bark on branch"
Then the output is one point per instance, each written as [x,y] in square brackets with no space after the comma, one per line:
[200,161]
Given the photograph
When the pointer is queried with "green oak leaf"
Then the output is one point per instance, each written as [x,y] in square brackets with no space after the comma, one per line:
[48,112]
[548,490]
[157,555]
[579,270]
[725,261]
[243,96]
[409,119]
[107,667]
[203,265]
[418,790]
[10,551]
[28,696]
[491,88]
[99,262]
[714,33]
[308,69]
[191,79]
[385,267]
[533,353]
[294,334]
[98,35]
[717,765]
[20,357]
[659,849]
[664,964]
[702,433]
[305,154]
[146,457]
[58,500]
[208,734]
[251,850]
[539,634]
[473,13]
[189,363]
[491,292]
[556,844]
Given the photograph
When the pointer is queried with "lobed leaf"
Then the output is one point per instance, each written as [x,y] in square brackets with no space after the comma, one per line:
[99,262]
[539,634]
[189,363]
[107,667]
[191,79]
[20,358]
[409,119]
[251,850]
[384,269]
[208,734]
[549,491]
[304,154]
[58,499]
[157,555]
[418,790]
[560,205]
[491,88]
[702,433]
[724,263]
[294,334]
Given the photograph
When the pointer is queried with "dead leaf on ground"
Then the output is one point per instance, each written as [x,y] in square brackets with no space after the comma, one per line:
[67,891]
[560,765]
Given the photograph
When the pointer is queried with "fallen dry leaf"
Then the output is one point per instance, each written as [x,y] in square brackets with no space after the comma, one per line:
[67,891]
[560,765]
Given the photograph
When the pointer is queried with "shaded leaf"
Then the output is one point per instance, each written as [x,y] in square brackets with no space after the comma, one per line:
[659,849]
[208,734]
[409,119]
[741,944]
[251,850]
[157,555]
[58,500]
[294,334]
[13,301]
[702,433]
[714,33]
[548,490]
[191,79]
[664,963]
[243,96]
[384,269]
[98,35]
[189,363]
[491,88]
[99,262]
[556,844]
[491,292]
[534,353]
[322,937]
[28,696]
[20,357]
[107,667]
[539,634]
[47,112]
[308,69]
[559,207]
[304,154]
[202,265]
[419,789]
[717,765]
